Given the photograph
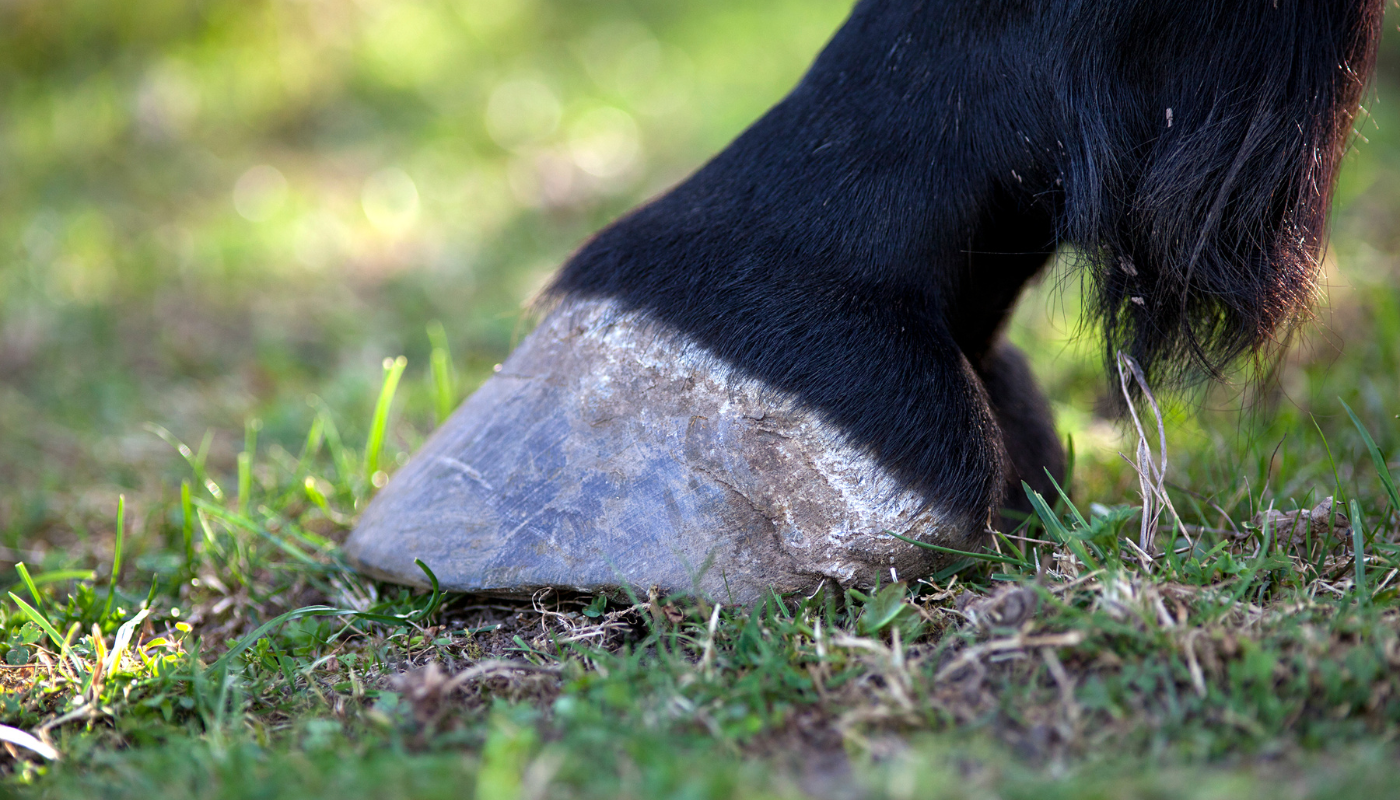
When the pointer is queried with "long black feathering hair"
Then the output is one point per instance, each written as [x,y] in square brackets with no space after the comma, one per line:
[1200,168]
[861,245]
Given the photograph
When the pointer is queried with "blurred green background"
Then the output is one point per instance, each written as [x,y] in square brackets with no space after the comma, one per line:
[221,209]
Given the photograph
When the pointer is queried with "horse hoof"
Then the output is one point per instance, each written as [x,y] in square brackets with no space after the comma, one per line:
[608,455]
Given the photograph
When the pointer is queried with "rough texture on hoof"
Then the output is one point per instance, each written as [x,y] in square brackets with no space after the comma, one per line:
[607,453]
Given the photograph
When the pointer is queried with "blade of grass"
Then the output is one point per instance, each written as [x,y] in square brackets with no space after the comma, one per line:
[314,438]
[393,371]
[1358,538]
[1387,480]
[1057,529]
[444,390]
[1015,547]
[1247,579]
[1083,523]
[187,523]
[200,459]
[98,648]
[195,460]
[48,629]
[952,552]
[433,601]
[1338,499]
[245,463]
[250,435]
[216,548]
[60,575]
[116,558]
[245,482]
[29,584]
[1069,459]
[124,634]
[1331,462]
[951,570]
[319,500]
[340,455]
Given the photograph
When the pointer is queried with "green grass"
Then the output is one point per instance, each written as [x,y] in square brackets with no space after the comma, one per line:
[1067,661]
[194,409]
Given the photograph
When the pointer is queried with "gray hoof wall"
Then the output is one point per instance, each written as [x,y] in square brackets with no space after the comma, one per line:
[606,453]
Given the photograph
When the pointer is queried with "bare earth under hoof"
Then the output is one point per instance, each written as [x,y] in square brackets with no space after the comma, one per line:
[606,452]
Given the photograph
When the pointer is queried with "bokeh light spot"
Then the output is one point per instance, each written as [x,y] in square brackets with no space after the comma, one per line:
[260,193]
[493,17]
[605,142]
[520,112]
[167,102]
[390,200]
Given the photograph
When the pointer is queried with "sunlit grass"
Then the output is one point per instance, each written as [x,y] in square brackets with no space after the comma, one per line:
[1241,633]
